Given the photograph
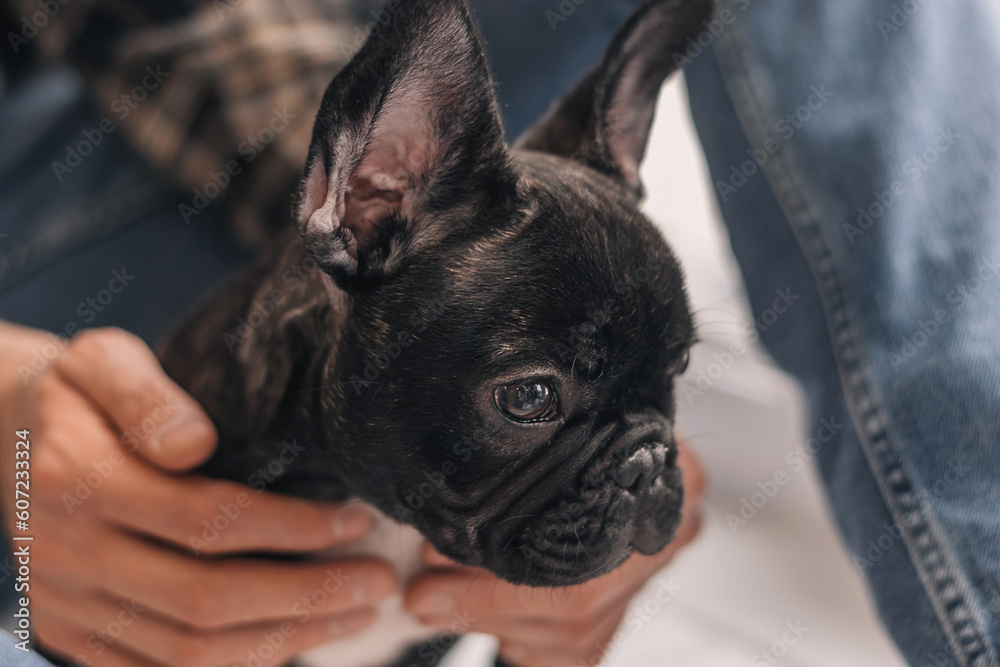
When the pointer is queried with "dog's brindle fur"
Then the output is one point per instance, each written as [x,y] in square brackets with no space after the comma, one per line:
[449,264]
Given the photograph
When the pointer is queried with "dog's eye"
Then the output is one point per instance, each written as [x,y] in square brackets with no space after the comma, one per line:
[681,364]
[526,401]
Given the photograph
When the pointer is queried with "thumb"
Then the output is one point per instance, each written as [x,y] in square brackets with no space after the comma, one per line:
[123,378]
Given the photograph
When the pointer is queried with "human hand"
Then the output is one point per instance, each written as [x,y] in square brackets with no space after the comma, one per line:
[547,627]
[127,568]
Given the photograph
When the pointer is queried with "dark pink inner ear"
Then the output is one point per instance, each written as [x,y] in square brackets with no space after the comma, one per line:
[398,155]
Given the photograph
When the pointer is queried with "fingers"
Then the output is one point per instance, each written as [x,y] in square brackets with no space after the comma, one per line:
[538,641]
[694,473]
[100,507]
[199,514]
[214,517]
[434,558]
[565,646]
[123,378]
[534,631]
[479,593]
[211,594]
[694,489]
[137,633]
[78,645]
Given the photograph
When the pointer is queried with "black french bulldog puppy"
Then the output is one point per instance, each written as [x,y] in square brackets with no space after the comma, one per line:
[480,341]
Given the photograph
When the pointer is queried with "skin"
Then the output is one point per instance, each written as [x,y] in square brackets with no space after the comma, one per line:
[94,594]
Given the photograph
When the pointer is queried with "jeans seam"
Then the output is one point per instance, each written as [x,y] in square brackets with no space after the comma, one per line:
[929,551]
[54,237]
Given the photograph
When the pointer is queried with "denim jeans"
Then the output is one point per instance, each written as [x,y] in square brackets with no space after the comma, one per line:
[109,220]
[854,149]
[11,656]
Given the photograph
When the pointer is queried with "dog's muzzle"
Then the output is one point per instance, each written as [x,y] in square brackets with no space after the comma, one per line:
[627,497]
[644,468]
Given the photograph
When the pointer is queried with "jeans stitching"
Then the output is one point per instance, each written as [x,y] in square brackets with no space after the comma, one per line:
[936,565]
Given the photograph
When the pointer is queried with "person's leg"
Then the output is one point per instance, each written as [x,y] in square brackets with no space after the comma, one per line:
[91,236]
[854,146]
[539,50]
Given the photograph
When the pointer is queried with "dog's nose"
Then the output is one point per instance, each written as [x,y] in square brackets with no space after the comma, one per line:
[638,472]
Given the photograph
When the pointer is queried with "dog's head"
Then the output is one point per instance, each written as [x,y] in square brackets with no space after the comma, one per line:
[504,374]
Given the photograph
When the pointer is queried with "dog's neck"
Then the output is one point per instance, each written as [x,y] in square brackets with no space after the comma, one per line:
[269,335]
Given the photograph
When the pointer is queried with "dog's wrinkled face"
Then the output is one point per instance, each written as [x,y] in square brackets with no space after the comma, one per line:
[504,377]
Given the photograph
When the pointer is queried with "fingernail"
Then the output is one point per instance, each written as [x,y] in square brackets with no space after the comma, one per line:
[351,523]
[436,558]
[373,586]
[178,432]
[351,623]
[435,603]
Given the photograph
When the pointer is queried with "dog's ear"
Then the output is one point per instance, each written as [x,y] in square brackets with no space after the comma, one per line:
[407,142]
[605,120]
